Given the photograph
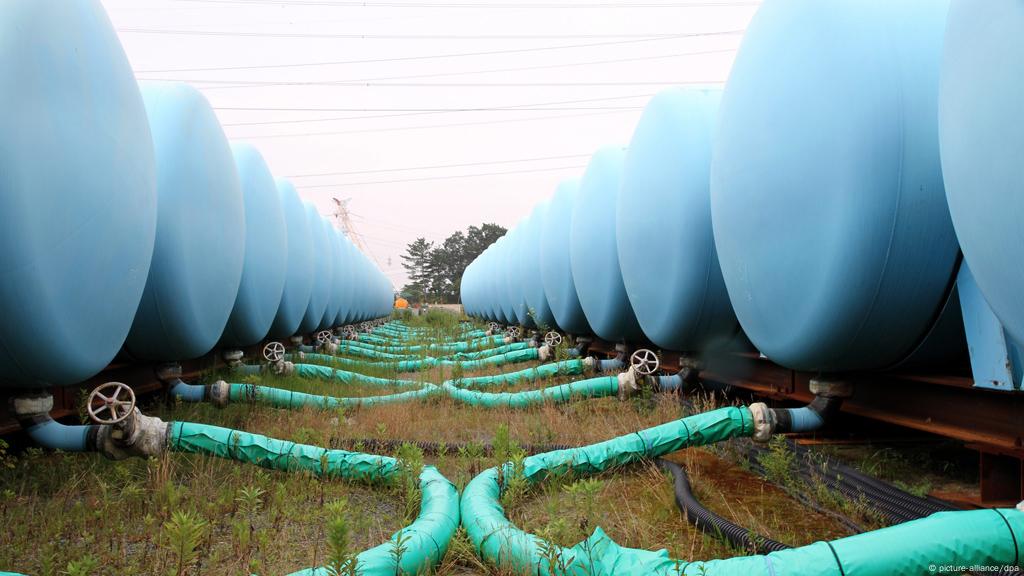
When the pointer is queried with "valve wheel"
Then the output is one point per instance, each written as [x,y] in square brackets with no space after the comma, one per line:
[495,327]
[515,332]
[323,337]
[273,352]
[644,361]
[553,339]
[110,403]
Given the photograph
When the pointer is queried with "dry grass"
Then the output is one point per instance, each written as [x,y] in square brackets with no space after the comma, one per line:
[56,508]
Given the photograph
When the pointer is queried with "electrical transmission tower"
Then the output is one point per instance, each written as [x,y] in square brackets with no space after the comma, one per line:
[345,221]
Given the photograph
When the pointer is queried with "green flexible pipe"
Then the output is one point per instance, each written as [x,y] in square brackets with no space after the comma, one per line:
[280,398]
[591,388]
[979,537]
[426,539]
[428,362]
[572,367]
[329,373]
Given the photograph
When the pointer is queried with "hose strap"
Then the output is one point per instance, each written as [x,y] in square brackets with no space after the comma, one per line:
[1016,549]
[836,556]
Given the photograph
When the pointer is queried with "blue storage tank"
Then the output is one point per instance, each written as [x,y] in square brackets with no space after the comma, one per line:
[266,251]
[555,270]
[827,198]
[322,267]
[200,233]
[593,255]
[529,268]
[347,280]
[77,193]
[337,281]
[981,129]
[513,275]
[663,224]
[359,287]
[298,285]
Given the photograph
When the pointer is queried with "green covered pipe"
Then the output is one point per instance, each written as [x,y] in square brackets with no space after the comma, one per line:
[329,373]
[591,388]
[572,367]
[978,537]
[194,438]
[281,398]
[428,362]
[426,539]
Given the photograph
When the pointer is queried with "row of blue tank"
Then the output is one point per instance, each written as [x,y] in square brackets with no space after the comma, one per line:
[130,221]
[864,161]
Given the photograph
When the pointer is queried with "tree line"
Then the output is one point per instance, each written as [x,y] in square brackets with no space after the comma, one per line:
[435,271]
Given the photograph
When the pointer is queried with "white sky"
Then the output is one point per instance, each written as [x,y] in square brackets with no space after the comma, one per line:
[573,120]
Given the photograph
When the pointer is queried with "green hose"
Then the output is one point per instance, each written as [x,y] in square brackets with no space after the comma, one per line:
[945,539]
[591,388]
[326,372]
[425,540]
[572,367]
[428,362]
[280,398]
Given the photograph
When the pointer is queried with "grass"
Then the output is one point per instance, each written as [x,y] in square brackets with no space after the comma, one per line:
[181,514]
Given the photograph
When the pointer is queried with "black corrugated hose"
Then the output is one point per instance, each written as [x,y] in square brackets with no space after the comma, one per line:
[709,522]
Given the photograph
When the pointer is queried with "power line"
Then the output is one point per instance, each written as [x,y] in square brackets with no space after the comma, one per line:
[424,56]
[449,177]
[463,84]
[502,5]
[615,110]
[408,168]
[444,125]
[244,83]
[354,36]
[512,107]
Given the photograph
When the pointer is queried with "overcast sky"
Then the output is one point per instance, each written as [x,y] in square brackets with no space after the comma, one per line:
[415,89]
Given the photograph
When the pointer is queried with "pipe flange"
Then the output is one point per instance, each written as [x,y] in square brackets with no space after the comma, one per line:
[29,406]
[764,421]
[168,372]
[544,353]
[629,385]
[282,368]
[220,393]
[589,364]
[233,358]
[831,388]
[139,435]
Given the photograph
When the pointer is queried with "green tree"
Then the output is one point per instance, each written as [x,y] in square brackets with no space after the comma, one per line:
[435,272]
[416,262]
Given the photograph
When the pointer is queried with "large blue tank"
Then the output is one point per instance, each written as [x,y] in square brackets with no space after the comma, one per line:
[337,280]
[200,233]
[266,251]
[529,268]
[555,270]
[322,267]
[360,290]
[77,192]
[981,129]
[298,285]
[514,287]
[593,254]
[663,224]
[347,265]
[827,198]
